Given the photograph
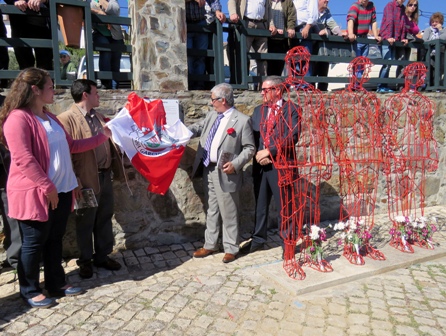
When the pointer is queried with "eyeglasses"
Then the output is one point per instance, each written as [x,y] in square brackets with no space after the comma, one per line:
[63,56]
[214,99]
[412,5]
[266,89]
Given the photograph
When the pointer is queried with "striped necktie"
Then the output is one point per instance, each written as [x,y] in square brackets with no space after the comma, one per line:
[210,138]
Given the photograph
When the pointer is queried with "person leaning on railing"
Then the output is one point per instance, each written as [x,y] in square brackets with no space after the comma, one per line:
[306,20]
[282,18]
[326,26]
[31,26]
[108,34]
[254,13]
[393,29]
[434,32]
[361,16]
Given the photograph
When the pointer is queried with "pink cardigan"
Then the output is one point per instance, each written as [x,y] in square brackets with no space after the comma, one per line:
[28,181]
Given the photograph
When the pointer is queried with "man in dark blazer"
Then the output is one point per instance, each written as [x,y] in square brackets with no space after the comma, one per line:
[226,145]
[284,119]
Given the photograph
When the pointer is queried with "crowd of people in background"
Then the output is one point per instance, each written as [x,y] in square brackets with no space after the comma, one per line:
[285,18]
[36,26]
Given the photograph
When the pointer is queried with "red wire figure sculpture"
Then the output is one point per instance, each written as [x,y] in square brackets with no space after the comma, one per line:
[410,150]
[301,165]
[353,117]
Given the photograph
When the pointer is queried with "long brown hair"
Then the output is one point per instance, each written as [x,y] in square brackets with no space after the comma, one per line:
[413,16]
[21,94]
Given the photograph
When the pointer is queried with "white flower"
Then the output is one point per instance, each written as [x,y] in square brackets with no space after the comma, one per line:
[339,226]
[314,234]
[400,219]
[434,220]
[343,235]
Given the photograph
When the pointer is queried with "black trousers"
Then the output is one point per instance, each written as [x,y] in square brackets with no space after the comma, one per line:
[22,28]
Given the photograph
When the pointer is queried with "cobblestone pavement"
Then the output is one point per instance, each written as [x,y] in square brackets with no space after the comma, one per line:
[164,291]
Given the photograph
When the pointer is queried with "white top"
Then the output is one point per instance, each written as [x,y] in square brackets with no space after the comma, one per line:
[307,11]
[221,131]
[255,10]
[61,168]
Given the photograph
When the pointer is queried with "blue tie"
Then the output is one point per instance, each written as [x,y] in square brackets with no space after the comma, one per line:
[210,138]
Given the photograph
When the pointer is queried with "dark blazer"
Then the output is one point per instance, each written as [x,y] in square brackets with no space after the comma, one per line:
[281,130]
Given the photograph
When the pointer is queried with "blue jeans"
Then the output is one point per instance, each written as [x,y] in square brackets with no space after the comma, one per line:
[361,49]
[43,239]
[388,53]
[108,60]
[196,64]
[307,45]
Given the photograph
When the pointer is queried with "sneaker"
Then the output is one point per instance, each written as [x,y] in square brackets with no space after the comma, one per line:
[109,264]
[44,303]
[86,270]
[384,90]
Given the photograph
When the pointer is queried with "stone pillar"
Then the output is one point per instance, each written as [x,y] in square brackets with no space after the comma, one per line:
[159,44]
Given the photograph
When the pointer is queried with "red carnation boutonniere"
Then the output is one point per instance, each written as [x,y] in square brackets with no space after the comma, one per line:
[230,131]
[106,120]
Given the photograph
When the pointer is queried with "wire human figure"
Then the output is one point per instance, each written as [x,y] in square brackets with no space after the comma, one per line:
[353,118]
[410,151]
[301,164]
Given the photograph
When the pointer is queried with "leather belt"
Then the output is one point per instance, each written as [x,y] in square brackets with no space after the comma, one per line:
[252,20]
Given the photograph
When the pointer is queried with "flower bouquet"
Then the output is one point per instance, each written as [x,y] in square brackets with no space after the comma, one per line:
[355,235]
[313,248]
[401,233]
[423,230]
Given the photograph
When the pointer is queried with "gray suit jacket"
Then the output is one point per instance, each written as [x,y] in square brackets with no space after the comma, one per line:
[240,143]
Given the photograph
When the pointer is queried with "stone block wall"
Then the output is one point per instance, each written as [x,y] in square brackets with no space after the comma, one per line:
[144,219]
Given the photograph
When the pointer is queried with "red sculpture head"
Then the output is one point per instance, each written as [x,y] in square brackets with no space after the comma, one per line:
[359,70]
[414,75]
[297,61]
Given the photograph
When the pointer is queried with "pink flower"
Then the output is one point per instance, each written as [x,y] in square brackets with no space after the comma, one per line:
[230,131]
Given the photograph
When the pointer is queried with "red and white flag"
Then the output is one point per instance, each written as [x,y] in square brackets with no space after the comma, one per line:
[154,148]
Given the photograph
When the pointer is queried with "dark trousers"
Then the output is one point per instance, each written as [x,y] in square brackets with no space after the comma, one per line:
[13,241]
[4,56]
[21,28]
[275,67]
[43,239]
[94,225]
[320,69]
[109,60]
[266,185]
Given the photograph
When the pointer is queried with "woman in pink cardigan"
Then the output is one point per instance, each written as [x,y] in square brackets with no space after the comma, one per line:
[41,183]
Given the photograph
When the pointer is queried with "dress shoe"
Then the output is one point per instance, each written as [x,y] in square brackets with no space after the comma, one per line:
[86,270]
[109,264]
[256,247]
[45,303]
[67,290]
[228,258]
[201,253]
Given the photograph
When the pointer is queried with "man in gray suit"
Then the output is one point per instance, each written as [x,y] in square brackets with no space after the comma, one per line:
[226,145]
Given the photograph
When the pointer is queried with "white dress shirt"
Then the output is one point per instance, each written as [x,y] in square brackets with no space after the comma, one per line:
[307,11]
[255,10]
[219,134]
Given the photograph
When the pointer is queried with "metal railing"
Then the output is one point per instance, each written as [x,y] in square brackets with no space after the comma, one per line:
[89,18]
[343,55]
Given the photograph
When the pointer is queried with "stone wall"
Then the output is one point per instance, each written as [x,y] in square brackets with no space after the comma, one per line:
[144,219]
[159,45]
